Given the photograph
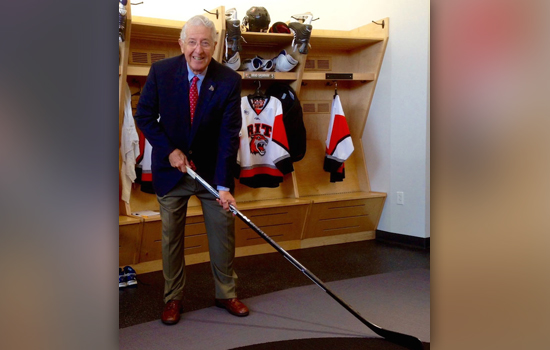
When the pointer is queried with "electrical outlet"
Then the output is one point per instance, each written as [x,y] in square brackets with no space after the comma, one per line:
[400,198]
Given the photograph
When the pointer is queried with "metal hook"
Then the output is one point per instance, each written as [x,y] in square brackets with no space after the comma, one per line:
[380,24]
[335,82]
[259,93]
[212,13]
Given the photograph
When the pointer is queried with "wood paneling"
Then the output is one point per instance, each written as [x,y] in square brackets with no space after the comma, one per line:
[129,240]
[196,240]
[279,223]
[342,217]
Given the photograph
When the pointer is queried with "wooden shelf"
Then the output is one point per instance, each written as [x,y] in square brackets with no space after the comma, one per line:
[261,40]
[340,40]
[340,43]
[191,211]
[143,71]
[127,220]
[271,203]
[344,196]
[260,75]
[325,40]
[151,219]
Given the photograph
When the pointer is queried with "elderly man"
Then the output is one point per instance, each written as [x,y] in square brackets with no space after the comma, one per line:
[189,111]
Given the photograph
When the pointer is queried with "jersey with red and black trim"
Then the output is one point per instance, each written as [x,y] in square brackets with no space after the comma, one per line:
[263,157]
[143,169]
[339,145]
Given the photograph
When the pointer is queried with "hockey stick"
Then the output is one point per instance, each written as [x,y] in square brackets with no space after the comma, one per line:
[405,340]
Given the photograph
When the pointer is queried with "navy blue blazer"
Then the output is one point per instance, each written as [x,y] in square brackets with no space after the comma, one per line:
[163,116]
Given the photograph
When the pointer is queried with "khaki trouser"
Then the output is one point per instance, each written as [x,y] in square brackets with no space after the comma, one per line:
[220,229]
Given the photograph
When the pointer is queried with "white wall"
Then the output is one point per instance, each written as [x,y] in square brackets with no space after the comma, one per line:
[396,138]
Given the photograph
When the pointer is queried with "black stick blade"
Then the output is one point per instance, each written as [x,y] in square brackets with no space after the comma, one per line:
[405,340]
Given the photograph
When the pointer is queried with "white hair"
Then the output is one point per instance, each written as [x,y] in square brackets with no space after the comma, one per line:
[199,20]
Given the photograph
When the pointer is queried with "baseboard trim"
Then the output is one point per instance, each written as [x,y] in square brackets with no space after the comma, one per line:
[409,241]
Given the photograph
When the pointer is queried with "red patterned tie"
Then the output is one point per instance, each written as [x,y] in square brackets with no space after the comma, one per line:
[193,97]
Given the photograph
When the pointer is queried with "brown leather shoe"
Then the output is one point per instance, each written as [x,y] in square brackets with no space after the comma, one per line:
[171,313]
[234,306]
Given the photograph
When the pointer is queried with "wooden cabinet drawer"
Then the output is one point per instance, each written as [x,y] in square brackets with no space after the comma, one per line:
[150,245]
[279,223]
[341,217]
[129,240]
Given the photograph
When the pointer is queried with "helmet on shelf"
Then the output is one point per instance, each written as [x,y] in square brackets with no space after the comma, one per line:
[279,27]
[257,19]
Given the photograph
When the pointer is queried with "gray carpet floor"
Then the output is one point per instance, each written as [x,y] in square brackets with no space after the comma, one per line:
[397,301]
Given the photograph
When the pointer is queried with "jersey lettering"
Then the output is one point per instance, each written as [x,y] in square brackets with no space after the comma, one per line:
[255,129]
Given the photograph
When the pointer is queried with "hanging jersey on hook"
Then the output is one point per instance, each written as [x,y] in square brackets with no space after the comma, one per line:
[263,157]
[293,118]
[339,145]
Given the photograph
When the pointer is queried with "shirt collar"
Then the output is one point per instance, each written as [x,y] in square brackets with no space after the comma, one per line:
[190,74]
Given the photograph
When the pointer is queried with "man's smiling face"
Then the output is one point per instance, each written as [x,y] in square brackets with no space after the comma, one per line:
[198,47]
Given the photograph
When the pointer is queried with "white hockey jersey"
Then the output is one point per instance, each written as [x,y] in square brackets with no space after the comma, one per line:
[263,156]
[339,145]
[129,147]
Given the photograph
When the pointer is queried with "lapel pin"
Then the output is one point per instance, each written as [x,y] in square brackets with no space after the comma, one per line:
[211,88]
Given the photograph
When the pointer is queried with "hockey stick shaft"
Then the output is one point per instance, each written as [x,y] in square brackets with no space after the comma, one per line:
[405,340]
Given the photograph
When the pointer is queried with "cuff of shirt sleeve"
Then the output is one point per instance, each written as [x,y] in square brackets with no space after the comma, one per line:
[221,188]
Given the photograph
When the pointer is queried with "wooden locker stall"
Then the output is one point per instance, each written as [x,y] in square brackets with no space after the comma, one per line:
[306,209]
